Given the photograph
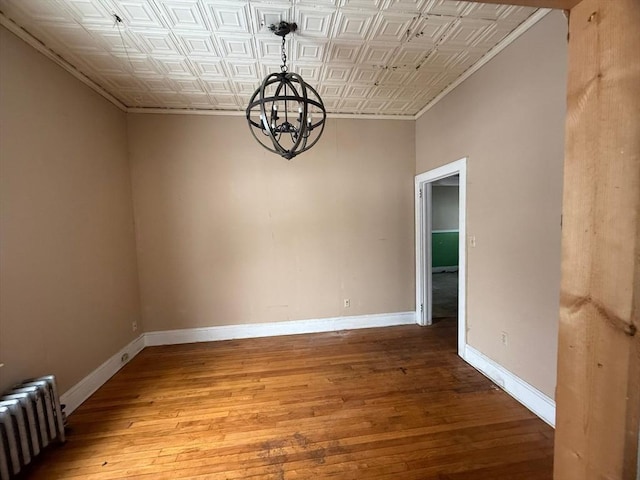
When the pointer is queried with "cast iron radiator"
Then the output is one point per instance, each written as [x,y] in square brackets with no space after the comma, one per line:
[30,419]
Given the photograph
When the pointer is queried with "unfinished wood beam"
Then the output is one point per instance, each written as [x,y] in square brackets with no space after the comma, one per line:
[598,393]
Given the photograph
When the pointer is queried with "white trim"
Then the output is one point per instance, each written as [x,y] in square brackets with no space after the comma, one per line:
[532,398]
[422,246]
[506,41]
[423,265]
[364,116]
[427,206]
[455,230]
[255,330]
[449,268]
[82,390]
[242,113]
[186,111]
[51,55]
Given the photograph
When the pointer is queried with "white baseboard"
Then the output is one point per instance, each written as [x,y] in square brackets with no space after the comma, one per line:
[255,330]
[453,268]
[532,398]
[82,390]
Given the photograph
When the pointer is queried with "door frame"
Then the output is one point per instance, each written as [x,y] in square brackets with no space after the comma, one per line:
[423,245]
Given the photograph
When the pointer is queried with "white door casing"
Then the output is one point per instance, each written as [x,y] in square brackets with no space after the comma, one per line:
[423,245]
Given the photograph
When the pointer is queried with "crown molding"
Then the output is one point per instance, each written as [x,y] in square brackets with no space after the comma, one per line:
[558,4]
[508,40]
[371,117]
[185,111]
[242,113]
[51,55]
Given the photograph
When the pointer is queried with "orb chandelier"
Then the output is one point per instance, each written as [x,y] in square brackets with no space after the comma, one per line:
[285,114]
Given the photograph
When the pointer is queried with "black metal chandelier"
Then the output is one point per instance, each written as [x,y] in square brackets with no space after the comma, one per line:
[285,114]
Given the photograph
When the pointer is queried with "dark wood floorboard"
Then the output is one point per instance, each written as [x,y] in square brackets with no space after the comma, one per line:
[388,403]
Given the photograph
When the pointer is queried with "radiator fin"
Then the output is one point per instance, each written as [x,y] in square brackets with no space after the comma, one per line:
[31,418]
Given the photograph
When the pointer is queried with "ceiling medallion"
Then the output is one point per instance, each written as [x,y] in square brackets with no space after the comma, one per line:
[285,114]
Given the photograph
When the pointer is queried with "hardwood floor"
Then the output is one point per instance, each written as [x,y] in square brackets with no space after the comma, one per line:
[394,403]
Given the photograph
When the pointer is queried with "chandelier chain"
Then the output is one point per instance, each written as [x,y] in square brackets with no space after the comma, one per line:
[284,56]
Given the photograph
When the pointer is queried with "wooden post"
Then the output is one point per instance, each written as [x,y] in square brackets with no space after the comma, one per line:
[598,393]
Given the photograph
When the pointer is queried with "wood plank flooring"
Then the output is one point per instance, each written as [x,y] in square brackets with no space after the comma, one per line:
[388,403]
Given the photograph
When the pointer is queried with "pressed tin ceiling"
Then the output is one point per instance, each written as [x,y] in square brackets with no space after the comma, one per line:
[373,57]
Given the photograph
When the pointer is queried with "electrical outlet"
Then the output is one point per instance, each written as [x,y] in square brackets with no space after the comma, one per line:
[504,338]
[347,303]
[134,326]
[472,240]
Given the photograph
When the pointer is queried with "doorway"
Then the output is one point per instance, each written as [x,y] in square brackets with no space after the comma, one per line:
[444,249]
[436,241]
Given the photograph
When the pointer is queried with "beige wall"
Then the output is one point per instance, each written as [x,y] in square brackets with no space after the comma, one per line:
[68,278]
[229,233]
[508,118]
